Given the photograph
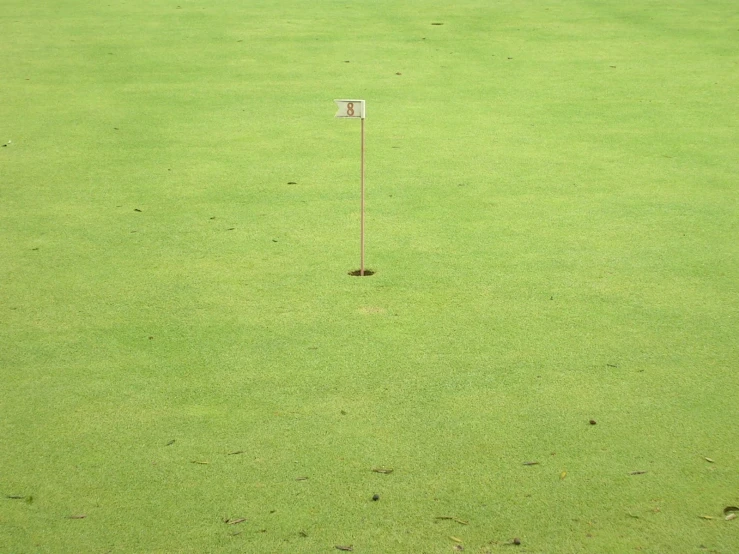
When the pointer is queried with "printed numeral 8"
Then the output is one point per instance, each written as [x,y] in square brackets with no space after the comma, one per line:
[350,108]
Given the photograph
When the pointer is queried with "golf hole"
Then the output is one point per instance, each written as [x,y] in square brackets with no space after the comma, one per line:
[358,273]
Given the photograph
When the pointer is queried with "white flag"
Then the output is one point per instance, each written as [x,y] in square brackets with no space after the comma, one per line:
[351,108]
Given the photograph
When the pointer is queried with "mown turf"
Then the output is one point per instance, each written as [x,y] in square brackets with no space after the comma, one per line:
[552,216]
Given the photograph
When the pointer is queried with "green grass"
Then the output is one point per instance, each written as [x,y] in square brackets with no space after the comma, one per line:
[552,215]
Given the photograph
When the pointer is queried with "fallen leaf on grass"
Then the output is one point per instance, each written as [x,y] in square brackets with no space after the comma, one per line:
[637,472]
[28,499]
[385,470]
[229,521]
[531,463]
[349,548]
[77,516]
[452,518]
[708,460]
[201,462]
[455,539]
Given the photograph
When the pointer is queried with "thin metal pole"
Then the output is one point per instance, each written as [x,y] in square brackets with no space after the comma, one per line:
[361,267]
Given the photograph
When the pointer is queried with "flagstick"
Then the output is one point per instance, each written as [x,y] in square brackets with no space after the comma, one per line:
[356,109]
[361,267]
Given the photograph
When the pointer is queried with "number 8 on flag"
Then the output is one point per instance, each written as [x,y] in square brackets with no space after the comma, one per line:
[350,108]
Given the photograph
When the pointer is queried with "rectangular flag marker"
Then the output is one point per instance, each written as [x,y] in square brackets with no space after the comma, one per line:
[355,109]
[350,108]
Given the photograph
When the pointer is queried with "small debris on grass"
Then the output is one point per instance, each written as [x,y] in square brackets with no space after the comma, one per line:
[532,463]
[292,183]
[301,478]
[375,497]
[458,547]
[398,73]
[348,548]
[593,422]
[302,533]
[384,470]
[452,518]
[516,541]
[14,497]
[637,472]
[77,516]
[731,516]
[343,412]
[437,24]
[708,460]
[136,210]
[455,539]
[234,521]
[707,517]
[562,475]
[235,453]
[170,443]
[200,462]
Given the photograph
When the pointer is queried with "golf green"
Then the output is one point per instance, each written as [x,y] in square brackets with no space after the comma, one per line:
[544,360]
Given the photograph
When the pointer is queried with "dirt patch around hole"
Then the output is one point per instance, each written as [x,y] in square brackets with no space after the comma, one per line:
[358,273]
